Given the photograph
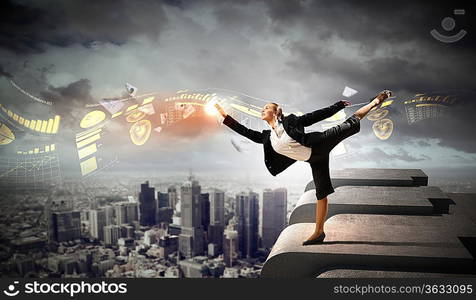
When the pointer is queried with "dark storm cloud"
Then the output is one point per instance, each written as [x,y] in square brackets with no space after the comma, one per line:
[69,101]
[28,27]
[372,23]
[3,73]
[75,92]
[375,26]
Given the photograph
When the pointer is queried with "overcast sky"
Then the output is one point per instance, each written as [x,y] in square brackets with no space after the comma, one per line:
[299,53]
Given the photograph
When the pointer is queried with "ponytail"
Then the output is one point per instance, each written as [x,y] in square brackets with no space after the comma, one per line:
[279,111]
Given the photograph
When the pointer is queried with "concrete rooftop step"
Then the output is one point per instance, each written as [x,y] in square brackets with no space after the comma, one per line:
[349,273]
[422,200]
[376,177]
[382,242]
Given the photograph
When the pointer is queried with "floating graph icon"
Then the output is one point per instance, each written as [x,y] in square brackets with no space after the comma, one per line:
[30,172]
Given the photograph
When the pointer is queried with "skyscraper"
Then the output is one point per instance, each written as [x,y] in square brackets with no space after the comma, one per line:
[57,201]
[274,210]
[97,221]
[173,197]
[109,212]
[66,226]
[247,212]
[191,236]
[217,219]
[126,213]
[217,207]
[147,205]
[205,210]
[112,233]
[163,199]
[132,209]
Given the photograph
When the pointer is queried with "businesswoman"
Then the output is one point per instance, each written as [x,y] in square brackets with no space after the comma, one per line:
[286,142]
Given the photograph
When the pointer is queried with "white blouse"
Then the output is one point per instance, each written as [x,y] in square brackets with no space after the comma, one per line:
[286,145]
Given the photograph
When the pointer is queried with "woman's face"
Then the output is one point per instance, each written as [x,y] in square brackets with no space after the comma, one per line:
[268,112]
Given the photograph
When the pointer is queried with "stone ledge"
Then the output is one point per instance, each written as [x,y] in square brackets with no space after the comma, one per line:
[370,240]
[375,177]
[425,200]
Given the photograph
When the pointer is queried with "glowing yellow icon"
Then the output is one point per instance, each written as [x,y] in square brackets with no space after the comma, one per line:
[6,135]
[89,165]
[135,116]
[140,132]
[377,114]
[92,118]
[210,108]
[383,128]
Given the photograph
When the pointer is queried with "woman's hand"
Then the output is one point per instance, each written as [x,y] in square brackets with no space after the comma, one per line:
[346,103]
[221,110]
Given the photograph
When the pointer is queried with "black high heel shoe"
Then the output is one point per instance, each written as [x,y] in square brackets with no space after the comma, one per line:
[319,239]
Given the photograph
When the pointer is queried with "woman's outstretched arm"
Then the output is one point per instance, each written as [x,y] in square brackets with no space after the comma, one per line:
[321,114]
[253,135]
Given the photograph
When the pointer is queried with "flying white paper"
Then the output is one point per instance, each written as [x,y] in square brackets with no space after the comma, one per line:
[349,92]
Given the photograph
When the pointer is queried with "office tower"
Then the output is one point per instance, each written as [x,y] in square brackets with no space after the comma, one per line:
[191,236]
[97,221]
[127,231]
[57,201]
[274,211]
[215,238]
[126,213]
[205,210]
[120,211]
[217,207]
[109,212]
[112,233]
[65,226]
[173,196]
[247,212]
[217,219]
[164,215]
[132,212]
[147,205]
[163,199]
[167,245]
[230,243]
[164,211]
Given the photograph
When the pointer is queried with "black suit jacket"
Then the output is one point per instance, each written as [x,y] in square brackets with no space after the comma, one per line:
[294,127]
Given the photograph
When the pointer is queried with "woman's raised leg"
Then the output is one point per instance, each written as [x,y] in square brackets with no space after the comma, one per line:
[364,110]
